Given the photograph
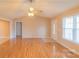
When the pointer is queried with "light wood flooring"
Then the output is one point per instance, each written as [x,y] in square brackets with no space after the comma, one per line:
[34,48]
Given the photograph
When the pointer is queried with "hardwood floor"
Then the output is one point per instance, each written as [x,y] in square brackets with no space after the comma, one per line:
[34,48]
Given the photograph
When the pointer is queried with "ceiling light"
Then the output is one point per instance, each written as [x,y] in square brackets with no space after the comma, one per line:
[30,14]
[31,9]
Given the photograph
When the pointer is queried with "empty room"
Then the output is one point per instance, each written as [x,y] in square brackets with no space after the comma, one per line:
[39,28]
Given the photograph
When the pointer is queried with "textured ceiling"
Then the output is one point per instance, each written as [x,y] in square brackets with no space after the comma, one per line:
[14,8]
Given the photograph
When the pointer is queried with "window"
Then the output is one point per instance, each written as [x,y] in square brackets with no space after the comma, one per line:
[71,28]
[77,31]
[54,32]
[68,28]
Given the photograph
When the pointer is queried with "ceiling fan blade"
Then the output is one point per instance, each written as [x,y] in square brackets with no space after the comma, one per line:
[31,1]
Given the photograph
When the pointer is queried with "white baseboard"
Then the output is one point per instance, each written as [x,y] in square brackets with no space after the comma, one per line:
[12,37]
[3,40]
[72,50]
[45,39]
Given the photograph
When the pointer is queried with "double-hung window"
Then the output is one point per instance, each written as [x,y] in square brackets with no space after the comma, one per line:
[68,28]
[71,28]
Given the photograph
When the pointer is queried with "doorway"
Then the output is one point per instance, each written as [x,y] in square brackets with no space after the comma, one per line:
[18,29]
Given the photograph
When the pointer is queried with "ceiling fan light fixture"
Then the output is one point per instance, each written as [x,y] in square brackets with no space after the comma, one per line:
[30,14]
[31,9]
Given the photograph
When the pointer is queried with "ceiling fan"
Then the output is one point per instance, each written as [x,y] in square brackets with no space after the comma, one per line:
[33,11]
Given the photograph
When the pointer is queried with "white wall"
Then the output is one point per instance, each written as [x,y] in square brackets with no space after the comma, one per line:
[33,27]
[12,29]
